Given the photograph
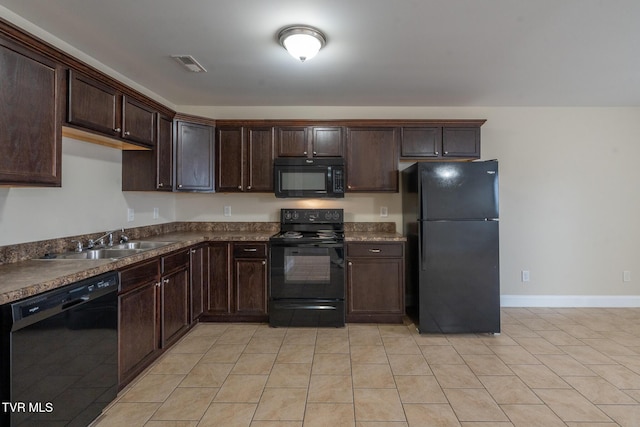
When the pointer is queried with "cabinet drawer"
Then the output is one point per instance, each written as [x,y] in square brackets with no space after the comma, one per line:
[175,261]
[139,275]
[249,250]
[375,250]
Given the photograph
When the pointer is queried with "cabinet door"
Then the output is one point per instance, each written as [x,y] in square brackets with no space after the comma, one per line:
[175,305]
[229,159]
[138,122]
[461,142]
[374,286]
[138,336]
[194,157]
[31,106]
[259,157]
[372,159]
[198,282]
[417,142]
[219,295]
[327,141]
[251,285]
[93,105]
[292,141]
[164,154]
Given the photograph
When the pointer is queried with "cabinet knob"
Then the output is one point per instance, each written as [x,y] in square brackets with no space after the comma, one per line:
[314,153]
[348,186]
[248,187]
[165,280]
[160,185]
[117,130]
[239,187]
[193,251]
[350,263]
[158,284]
[179,185]
[437,153]
[446,152]
[264,262]
[127,133]
[305,153]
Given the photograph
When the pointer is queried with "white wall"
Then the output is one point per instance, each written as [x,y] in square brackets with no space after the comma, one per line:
[569,202]
[89,201]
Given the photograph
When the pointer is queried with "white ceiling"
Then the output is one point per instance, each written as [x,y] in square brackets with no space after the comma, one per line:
[378,52]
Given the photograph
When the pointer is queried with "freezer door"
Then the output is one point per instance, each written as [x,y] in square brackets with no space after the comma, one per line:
[462,190]
[459,284]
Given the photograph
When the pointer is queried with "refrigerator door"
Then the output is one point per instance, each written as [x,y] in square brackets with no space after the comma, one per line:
[459,190]
[459,284]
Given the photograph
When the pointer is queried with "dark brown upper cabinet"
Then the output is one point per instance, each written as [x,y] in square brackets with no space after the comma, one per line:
[31,110]
[372,159]
[98,107]
[441,142]
[150,170]
[309,141]
[194,157]
[244,158]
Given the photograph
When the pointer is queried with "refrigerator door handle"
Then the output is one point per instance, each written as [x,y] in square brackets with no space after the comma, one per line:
[423,248]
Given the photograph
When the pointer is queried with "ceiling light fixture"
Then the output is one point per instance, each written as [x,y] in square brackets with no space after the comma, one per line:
[302,42]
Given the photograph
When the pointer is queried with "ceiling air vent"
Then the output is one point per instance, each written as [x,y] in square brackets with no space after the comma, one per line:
[190,63]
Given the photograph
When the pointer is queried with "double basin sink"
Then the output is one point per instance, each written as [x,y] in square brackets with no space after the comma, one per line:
[109,252]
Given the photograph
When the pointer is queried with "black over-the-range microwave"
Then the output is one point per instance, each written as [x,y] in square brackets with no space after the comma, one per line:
[312,178]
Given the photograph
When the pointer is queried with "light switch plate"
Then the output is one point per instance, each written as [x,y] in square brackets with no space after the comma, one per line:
[131,215]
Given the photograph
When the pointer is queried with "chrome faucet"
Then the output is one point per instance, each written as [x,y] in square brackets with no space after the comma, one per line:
[100,240]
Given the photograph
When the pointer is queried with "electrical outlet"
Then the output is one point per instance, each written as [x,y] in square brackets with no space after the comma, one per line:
[626,276]
[131,215]
[525,276]
[227,211]
[384,212]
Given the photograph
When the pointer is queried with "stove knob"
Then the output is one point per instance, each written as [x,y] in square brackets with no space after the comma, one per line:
[327,215]
[287,215]
[295,215]
[336,215]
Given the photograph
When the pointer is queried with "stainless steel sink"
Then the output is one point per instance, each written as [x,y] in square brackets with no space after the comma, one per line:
[141,244]
[96,254]
[109,252]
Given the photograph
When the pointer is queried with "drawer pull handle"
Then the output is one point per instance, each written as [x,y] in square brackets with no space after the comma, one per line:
[250,250]
[375,251]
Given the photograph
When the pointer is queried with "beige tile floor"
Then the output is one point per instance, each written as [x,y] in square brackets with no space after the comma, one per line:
[549,367]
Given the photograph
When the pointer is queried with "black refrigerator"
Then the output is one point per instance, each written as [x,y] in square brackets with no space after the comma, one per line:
[450,219]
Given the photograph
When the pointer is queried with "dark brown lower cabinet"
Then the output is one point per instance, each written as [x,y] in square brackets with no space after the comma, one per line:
[153,311]
[174,297]
[237,282]
[199,270]
[375,282]
[138,307]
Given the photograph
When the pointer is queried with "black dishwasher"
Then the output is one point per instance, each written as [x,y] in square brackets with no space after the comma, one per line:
[59,355]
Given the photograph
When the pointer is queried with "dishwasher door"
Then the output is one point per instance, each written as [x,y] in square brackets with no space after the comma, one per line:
[63,364]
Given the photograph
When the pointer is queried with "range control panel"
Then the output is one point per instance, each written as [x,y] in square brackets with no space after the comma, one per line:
[311,216]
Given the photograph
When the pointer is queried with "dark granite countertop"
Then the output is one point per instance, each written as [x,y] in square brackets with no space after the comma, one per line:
[27,277]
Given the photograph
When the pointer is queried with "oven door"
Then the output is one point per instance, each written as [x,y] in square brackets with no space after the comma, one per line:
[303,271]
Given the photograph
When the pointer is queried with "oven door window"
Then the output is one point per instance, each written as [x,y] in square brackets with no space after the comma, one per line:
[307,272]
[308,268]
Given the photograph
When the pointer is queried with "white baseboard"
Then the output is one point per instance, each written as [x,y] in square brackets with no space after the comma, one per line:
[614,301]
